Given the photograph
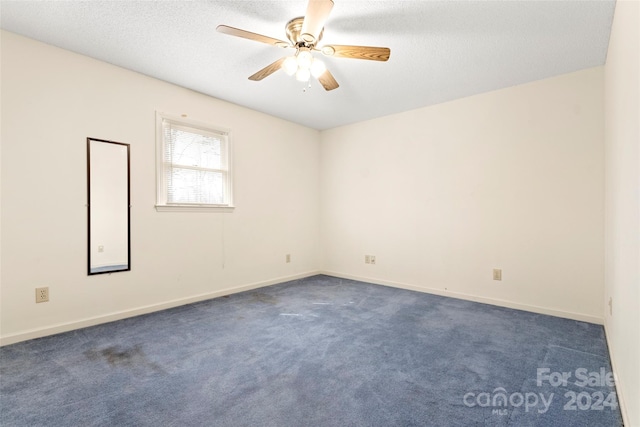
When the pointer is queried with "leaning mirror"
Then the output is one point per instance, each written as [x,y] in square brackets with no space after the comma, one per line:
[108,206]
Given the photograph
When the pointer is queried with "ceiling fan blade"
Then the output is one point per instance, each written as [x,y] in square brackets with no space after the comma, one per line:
[357,52]
[268,70]
[317,14]
[225,29]
[327,81]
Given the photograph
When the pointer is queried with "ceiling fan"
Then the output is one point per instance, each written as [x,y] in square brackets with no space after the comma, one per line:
[304,34]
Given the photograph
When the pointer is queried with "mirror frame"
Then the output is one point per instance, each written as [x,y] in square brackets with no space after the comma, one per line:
[128,267]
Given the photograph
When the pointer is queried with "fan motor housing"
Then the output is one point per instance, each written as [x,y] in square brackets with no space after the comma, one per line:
[293,29]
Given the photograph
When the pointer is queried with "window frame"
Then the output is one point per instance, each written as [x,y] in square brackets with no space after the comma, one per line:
[161,187]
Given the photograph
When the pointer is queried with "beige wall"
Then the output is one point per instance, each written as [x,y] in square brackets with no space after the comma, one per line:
[52,100]
[511,179]
[622,226]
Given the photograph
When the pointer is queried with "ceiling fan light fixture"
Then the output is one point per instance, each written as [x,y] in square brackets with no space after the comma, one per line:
[303,74]
[304,58]
[317,68]
[290,65]
[304,34]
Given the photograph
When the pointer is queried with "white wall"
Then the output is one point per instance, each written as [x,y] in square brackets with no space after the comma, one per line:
[52,100]
[622,226]
[511,179]
[440,195]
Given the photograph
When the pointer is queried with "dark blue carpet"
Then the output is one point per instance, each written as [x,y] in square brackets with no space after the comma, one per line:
[320,351]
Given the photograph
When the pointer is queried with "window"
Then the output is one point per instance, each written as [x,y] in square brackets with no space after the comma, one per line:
[193,161]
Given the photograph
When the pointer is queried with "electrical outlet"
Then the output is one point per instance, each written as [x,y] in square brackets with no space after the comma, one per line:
[610,306]
[287,258]
[42,294]
[373,259]
[100,248]
[367,259]
[497,274]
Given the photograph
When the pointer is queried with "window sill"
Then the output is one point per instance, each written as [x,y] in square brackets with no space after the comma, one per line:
[194,208]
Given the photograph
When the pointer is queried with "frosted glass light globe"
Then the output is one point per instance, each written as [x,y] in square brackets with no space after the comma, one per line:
[304,59]
[290,65]
[317,68]
[303,74]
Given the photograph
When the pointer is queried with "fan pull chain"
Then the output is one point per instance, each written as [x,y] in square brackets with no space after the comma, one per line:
[306,88]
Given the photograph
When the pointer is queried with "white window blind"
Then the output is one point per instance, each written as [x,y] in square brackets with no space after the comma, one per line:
[195,165]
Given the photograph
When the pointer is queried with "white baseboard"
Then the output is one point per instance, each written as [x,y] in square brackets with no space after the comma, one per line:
[474,298]
[69,326]
[65,327]
[617,379]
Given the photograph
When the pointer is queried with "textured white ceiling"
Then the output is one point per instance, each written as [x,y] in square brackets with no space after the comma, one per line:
[440,50]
